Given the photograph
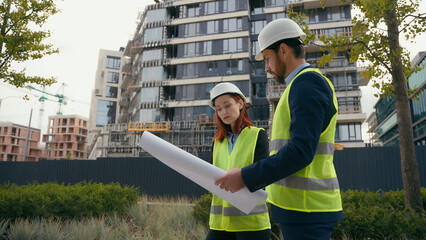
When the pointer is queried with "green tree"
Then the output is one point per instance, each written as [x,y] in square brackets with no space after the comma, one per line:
[374,43]
[21,38]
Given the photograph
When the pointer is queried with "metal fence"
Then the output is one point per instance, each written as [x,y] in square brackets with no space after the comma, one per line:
[357,168]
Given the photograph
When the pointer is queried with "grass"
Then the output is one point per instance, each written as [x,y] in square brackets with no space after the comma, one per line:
[151,218]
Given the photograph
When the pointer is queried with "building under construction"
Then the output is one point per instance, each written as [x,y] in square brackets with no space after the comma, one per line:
[182,48]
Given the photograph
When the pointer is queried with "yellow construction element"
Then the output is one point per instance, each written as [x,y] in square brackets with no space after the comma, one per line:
[338,146]
[152,127]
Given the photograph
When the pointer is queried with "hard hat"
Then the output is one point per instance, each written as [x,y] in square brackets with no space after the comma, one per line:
[276,30]
[224,88]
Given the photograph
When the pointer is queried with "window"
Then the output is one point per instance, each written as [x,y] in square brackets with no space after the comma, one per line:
[232,25]
[278,2]
[259,90]
[212,69]
[149,55]
[232,45]
[190,49]
[255,48]
[111,92]
[229,5]
[153,34]
[148,95]
[211,7]
[190,70]
[193,10]
[278,16]
[105,113]
[348,132]
[207,48]
[192,29]
[156,15]
[113,77]
[234,66]
[148,115]
[257,26]
[152,74]
[113,62]
[212,27]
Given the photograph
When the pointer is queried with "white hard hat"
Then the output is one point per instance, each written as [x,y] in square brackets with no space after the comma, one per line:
[276,30]
[224,88]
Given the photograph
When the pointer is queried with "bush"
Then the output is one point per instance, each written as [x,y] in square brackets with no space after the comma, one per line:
[379,215]
[368,215]
[70,201]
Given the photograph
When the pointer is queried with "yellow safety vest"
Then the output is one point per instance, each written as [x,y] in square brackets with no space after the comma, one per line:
[314,188]
[224,216]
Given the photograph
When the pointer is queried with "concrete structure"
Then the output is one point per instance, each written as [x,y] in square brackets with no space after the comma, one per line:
[13,138]
[66,137]
[385,129]
[182,48]
[106,94]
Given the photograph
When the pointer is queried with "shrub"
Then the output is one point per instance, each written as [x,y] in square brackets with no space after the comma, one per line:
[379,215]
[368,215]
[67,201]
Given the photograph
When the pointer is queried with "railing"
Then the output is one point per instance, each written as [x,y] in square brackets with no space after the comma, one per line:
[153,127]
[349,109]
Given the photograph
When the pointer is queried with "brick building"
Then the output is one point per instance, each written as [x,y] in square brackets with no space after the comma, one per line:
[13,138]
[66,137]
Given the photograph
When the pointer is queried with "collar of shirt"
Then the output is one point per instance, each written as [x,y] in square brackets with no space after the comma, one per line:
[293,74]
[232,138]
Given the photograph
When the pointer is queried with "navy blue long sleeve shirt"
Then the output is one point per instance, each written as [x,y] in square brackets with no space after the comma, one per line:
[311,109]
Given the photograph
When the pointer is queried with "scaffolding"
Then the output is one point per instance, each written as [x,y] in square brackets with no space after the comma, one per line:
[121,140]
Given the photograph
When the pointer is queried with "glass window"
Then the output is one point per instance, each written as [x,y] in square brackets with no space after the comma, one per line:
[232,25]
[190,50]
[113,62]
[212,69]
[211,7]
[232,45]
[234,66]
[257,26]
[152,74]
[105,113]
[255,47]
[111,92]
[153,34]
[212,27]
[194,10]
[190,70]
[113,77]
[207,48]
[149,115]
[229,5]
[278,2]
[148,94]
[192,29]
[156,15]
[149,55]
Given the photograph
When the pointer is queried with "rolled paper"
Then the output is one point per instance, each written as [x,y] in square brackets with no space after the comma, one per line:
[199,171]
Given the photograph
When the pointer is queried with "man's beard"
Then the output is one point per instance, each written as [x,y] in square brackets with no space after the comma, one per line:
[279,79]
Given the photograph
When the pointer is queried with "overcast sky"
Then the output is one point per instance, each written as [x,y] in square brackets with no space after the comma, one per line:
[79,31]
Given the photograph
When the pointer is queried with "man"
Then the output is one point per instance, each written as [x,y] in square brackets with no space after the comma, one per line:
[299,173]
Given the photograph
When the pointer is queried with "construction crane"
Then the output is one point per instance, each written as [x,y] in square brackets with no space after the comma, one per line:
[62,100]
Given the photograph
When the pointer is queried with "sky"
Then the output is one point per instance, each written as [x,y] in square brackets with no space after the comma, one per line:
[79,31]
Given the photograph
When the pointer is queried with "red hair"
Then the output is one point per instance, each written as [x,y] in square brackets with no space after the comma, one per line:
[242,121]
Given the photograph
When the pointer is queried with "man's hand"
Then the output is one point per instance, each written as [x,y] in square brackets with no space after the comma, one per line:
[231,181]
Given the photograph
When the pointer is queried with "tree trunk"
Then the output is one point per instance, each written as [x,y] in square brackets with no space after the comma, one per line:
[410,173]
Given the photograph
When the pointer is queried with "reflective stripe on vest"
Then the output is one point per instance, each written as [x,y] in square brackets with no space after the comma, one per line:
[234,212]
[314,188]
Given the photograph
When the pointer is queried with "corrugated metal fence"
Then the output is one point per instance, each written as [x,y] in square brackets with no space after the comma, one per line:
[357,168]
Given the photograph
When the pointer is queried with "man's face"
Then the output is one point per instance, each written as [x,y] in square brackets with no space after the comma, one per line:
[274,65]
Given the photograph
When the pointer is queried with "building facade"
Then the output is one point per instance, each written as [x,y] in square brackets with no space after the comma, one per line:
[13,139]
[181,49]
[66,138]
[104,108]
[385,129]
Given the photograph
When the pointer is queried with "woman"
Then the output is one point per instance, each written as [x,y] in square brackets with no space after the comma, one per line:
[237,144]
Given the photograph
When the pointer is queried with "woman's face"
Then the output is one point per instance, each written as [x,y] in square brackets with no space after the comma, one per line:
[228,109]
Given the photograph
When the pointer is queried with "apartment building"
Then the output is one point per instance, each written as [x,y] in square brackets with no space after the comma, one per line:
[13,139]
[385,128]
[182,49]
[66,138]
[106,94]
